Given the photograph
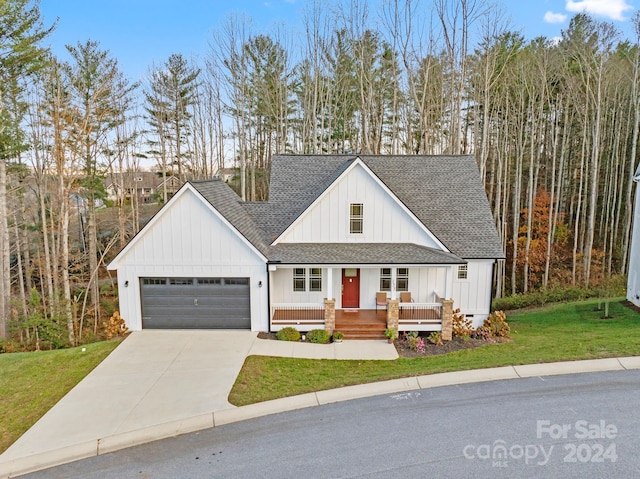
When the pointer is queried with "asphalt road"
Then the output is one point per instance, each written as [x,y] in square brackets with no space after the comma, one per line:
[575,426]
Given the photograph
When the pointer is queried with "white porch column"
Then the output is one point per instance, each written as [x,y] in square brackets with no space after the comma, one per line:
[394,275]
[270,270]
[330,283]
[449,282]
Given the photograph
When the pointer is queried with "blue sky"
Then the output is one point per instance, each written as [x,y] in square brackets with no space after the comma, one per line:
[139,33]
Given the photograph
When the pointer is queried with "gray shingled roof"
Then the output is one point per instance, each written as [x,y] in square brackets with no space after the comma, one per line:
[361,253]
[444,192]
[229,205]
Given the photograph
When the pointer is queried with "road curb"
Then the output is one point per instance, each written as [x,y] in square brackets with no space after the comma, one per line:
[105,445]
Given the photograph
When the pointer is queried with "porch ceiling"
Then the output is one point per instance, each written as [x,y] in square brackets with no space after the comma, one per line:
[359,253]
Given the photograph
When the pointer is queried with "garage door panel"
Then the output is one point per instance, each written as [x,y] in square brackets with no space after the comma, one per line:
[195,303]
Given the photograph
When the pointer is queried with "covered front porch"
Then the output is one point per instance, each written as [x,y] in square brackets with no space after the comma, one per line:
[358,323]
[305,298]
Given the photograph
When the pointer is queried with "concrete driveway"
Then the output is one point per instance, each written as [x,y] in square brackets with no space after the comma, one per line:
[159,384]
[152,378]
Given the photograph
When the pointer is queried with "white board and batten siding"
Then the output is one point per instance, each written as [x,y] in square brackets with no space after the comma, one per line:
[473,294]
[422,284]
[384,219]
[282,288]
[189,239]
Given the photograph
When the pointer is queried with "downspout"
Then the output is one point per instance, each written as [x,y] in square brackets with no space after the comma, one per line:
[268,296]
[492,290]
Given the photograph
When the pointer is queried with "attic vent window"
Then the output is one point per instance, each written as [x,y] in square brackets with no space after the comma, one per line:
[355,218]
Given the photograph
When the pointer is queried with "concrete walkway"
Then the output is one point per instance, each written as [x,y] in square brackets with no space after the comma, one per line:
[159,384]
[345,350]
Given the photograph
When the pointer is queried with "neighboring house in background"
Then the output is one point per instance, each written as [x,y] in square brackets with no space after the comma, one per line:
[227,174]
[336,230]
[633,280]
[146,186]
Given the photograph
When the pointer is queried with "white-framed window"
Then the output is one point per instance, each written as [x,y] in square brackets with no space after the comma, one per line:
[385,279]
[315,279]
[299,279]
[355,218]
[462,271]
[402,279]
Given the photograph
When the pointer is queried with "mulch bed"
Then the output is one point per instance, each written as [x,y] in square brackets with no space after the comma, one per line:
[456,344]
[265,335]
[404,351]
[631,306]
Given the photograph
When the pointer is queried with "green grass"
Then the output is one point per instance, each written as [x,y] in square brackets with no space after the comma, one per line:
[553,333]
[31,383]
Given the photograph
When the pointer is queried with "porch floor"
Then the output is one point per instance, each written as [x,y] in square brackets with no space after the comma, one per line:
[361,323]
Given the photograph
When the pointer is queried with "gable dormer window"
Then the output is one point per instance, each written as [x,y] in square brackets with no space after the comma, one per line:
[355,218]
[462,271]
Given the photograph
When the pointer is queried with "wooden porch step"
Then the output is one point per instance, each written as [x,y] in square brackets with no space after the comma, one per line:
[363,335]
[360,326]
[363,324]
[362,331]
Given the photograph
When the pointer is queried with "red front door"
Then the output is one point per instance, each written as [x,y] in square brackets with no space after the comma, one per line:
[351,288]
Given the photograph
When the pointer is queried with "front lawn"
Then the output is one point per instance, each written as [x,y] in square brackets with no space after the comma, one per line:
[557,332]
[31,383]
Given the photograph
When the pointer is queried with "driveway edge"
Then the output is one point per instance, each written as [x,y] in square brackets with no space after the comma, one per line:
[105,445]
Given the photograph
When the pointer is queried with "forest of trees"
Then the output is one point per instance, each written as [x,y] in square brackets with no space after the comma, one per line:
[553,124]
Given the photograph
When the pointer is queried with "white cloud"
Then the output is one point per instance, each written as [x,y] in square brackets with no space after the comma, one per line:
[551,17]
[613,9]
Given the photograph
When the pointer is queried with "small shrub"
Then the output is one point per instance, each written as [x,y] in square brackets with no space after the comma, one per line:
[414,342]
[421,347]
[7,346]
[461,327]
[338,336]
[435,338]
[114,326]
[288,334]
[496,323]
[319,336]
[391,334]
[482,333]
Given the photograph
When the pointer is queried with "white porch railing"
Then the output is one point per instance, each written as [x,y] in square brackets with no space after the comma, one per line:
[420,317]
[302,316]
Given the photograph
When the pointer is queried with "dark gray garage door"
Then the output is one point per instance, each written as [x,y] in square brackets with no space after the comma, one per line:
[195,303]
